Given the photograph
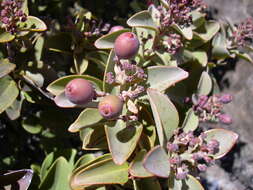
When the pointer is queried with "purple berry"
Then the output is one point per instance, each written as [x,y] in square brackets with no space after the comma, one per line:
[79,91]
[126,45]
[110,107]
[116,28]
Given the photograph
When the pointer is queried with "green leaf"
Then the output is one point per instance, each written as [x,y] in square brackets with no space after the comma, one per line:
[244,56]
[38,47]
[6,67]
[14,111]
[94,138]
[32,24]
[154,12]
[107,41]
[122,139]
[58,86]
[109,68]
[103,172]
[5,36]
[85,159]
[8,92]
[198,19]
[142,19]
[226,139]
[136,168]
[25,7]
[191,121]
[207,32]
[68,154]
[190,183]
[32,125]
[165,115]
[201,57]
[157,162]
[165,59]
[163,77]
[87,118]
[147,184]
[62,101]
[205,84]
[220,50]
[57,176]
[185,31]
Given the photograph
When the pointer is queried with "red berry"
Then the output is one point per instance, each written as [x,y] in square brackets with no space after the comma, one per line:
[116,28]
[110,107]
[79,91]
[126,45]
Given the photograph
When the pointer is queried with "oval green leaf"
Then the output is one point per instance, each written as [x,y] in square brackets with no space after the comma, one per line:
[122,139]
[5,36]
[190,183]
[107,41]
[58,86]
[191,121]
[207,32]
[100,173]
[205,84]
[6,67]
[157,162]
[186,32]
[165,115]
[142,19]
[33,24]
[226,139]
[8,92]
[136,167]
[88,117]
[162,77]
[57,176]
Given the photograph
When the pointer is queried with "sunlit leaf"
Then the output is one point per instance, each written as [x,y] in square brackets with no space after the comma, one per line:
[165,115]
[226,139]
[107,41]
[157,162]
[122,139]
[162,77]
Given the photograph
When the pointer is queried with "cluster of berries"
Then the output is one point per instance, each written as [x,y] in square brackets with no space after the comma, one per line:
[189,152]
[80,91]
[11,14]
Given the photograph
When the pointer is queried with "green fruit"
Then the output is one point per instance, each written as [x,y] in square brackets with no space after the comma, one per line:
[79,91]
[110,107]
[126,45]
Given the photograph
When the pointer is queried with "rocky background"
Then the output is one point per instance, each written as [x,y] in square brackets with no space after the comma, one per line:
[235,172]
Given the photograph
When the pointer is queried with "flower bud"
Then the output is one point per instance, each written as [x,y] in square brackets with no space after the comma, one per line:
[79,91]
[224,118]
[126,45]
[226,98]
[110,107]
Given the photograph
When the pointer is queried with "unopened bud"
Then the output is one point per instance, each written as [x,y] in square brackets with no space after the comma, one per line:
[226,119]
[226,98]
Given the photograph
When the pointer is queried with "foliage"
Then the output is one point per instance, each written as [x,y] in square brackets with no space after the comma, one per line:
[164,93]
